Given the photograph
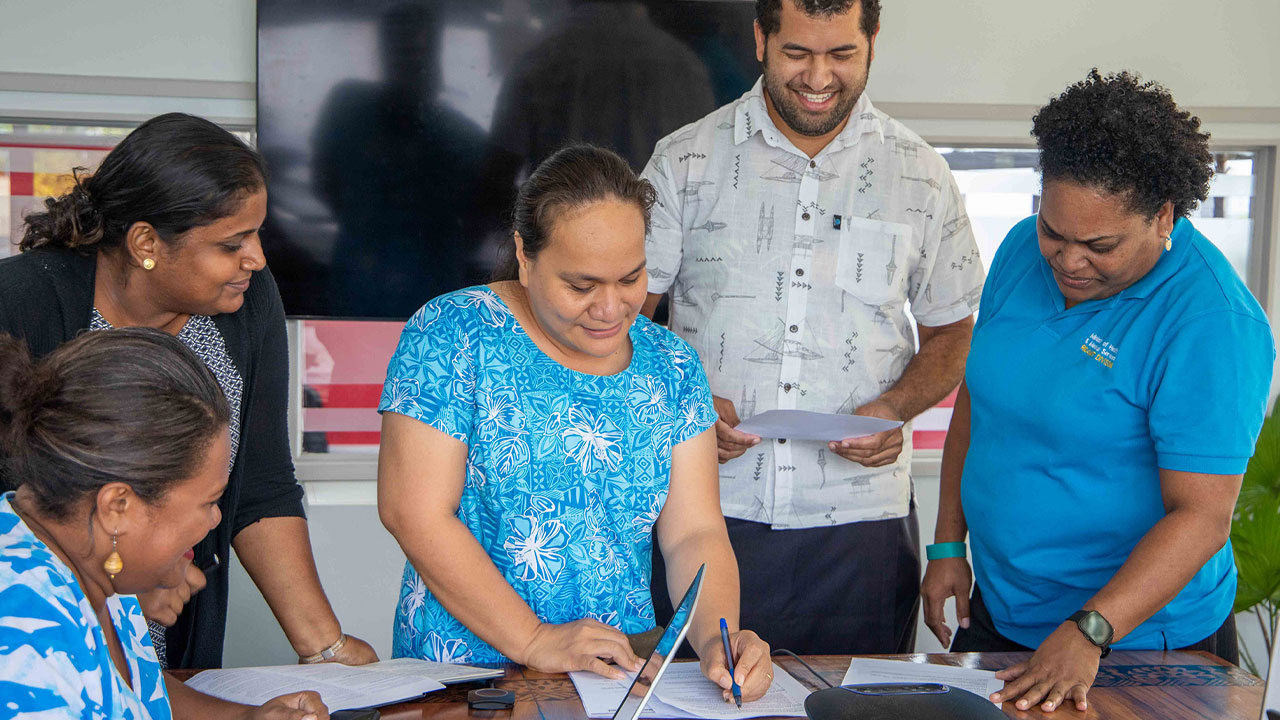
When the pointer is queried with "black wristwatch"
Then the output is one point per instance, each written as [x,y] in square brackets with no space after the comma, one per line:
[1094,627]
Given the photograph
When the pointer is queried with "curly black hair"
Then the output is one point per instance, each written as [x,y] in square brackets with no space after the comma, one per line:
[1126,137]
[769,12]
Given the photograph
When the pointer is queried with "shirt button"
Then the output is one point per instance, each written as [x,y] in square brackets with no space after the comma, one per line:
[786,387]
[813,164]
[804,216]
[799,272]
[795,328]
[782,441]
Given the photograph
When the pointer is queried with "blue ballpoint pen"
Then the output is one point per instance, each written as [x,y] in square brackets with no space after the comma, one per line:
[728,658]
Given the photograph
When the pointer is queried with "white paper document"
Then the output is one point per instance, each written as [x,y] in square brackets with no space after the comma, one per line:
[683,692]
[866,671]
[447,673]
[341,687]
[806,425]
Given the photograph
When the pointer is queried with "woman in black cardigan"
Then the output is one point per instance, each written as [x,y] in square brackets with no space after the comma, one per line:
[165,235]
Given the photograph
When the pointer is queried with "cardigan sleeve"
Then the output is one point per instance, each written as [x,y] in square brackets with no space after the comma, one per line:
[46,296]
[269,487]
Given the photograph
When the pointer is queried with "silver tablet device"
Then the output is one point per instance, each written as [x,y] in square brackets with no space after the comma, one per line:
[647,679]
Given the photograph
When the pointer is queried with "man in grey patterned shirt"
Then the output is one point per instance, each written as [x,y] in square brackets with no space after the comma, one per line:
[799,232]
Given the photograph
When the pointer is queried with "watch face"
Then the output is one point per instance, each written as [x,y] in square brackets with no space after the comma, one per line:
[1096,628]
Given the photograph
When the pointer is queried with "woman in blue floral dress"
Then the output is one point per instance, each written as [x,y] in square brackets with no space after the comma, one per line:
[536,430]
[119,444]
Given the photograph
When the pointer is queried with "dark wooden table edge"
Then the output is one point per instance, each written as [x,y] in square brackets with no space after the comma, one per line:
[550,696]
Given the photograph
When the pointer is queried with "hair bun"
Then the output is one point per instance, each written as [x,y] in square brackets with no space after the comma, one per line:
[71,220]
[86,220]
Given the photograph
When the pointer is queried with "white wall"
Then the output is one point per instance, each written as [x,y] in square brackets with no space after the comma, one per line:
[1025,51]
[360,567]
[182,39]
[994,51]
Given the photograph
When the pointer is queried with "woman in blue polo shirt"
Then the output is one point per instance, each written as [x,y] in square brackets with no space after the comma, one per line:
[1115,388]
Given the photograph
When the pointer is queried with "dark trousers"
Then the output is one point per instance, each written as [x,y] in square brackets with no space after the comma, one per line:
[839,590]
[982,636]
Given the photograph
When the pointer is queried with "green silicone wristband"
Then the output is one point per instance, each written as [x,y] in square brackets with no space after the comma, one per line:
[940,551]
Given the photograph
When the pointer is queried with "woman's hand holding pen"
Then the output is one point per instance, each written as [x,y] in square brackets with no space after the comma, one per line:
[580,645]
[752,667]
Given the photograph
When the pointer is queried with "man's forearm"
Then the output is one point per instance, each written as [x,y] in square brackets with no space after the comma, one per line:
[935,370]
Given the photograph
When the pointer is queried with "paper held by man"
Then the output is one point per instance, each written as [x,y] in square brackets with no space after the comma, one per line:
[808,425]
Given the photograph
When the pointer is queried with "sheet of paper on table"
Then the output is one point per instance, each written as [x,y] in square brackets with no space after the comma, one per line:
[806,425]
[866,671]
[683,692]
[447,673]
[342,687]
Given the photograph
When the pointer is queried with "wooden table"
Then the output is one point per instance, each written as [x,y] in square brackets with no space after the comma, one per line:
[1130,686]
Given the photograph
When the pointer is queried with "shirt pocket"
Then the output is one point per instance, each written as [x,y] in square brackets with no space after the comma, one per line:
[872,261]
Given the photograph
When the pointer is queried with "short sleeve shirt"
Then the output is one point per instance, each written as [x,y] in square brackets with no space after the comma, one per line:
[566,472]
[796,280]
[54,658]
[1075,411]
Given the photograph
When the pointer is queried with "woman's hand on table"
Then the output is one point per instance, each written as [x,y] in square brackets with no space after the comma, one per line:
[294,706]
[581,645]
[1062,669]
[355,652]
[752,667]
[945,578]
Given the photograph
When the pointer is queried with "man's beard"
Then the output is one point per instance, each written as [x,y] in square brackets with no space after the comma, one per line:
[803,121]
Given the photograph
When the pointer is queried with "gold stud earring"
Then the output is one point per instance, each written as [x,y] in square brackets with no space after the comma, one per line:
[113,564]
[148,264]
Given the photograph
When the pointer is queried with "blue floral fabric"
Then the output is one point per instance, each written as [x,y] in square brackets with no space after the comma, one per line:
[54,661]
[566,472]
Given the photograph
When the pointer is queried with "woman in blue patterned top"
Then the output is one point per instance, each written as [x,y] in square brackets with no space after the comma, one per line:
[535,431]
[119,443]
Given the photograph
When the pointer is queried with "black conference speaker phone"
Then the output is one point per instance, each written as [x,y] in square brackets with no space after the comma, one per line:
[894,701]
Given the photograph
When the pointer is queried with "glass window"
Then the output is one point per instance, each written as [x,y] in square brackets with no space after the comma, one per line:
[36,162]
[345,362]
[1226,218]
[1001,186]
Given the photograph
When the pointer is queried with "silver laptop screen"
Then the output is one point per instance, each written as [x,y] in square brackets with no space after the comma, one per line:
[648,676]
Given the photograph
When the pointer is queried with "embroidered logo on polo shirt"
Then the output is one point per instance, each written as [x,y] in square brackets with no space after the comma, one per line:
[1100,350]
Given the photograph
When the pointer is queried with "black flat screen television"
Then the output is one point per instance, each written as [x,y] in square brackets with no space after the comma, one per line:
[396,133]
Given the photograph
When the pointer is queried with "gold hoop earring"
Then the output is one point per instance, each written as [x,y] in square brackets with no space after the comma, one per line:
[148,264]
[113,564]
